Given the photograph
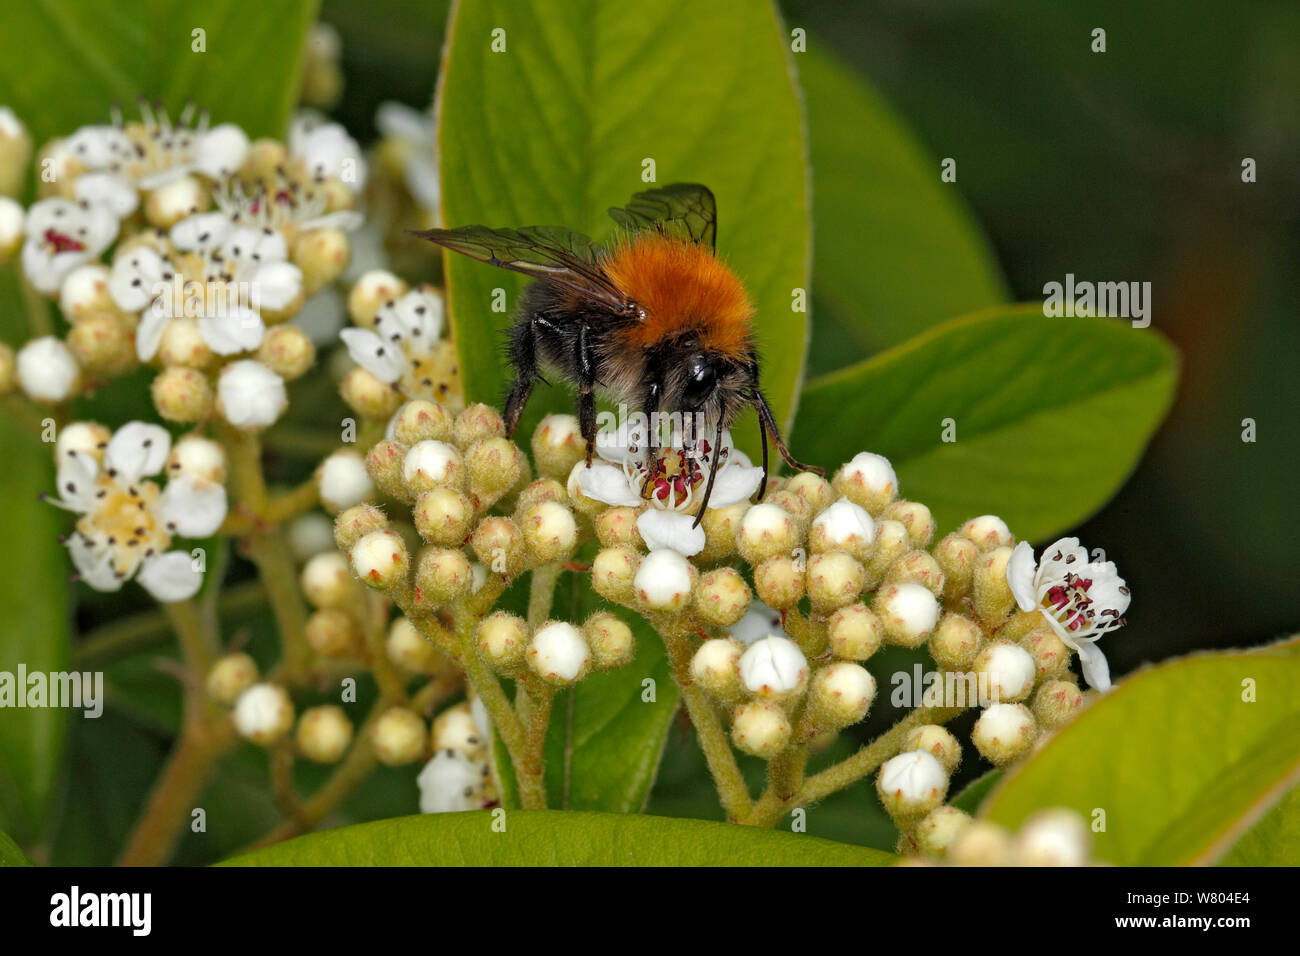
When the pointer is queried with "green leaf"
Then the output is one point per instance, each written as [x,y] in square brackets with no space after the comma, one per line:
[63,63]
[1274,840]
[895,250]
[1050,415]
[551,838]
[1178,756]
[555,130]
[973,793]
[10,853]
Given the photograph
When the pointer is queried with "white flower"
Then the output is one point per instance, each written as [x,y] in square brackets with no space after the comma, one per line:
[451,782]
[671,483]
[403,347]
[913,782]
[250,394]
[127,523]
[114,193]
[327,151]
[773,666]
[285,204]
[343,480]
[417,135]
[1081,599]
[61,235]
[757,622]
[558,653]
[663,579]
[47,370]
[159,151]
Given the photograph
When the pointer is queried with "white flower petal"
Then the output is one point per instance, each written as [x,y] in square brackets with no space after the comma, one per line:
[670,529]
[136,450]
[275,285]
[735,483]
[220,151]
[1059,558]
[93,565]
[240,330]
[133,281]
[114,193]
[201,233]
[1095,669]
[757,623]
[170,577]
[192,507]
[149,333]
[606,483]
[381,359]
[1020,576]
[76,481]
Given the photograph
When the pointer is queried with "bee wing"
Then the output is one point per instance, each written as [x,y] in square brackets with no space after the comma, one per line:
[686,207]
[544,252]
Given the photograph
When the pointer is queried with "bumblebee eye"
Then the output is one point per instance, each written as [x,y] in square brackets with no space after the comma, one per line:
[701,377]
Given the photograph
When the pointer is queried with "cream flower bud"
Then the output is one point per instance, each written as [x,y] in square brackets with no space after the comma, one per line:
[343,480]
[230,676]
[182,344]
[324,734]
[937,742]
[613,574]
[380,560]
[841,694]
[398,737]
[760,728]
[90,438]
[1003,733]
[182,394]
[410,650]
[502,640]
[559,654]
[443,516]
[8,369]
[494,466]
[550,532]
[868,480]
[721,526]
[610,639]
[917,567]
[616,527]
[499,544]
[85,291]
[366,395]
[441,576]
[956,555]
[167,205]
[287,351]
[431,462]
[1009,670]
[384,463]
[456,729]
[1050,653]
[250,395]
[353,524]
[956,642]
[779,581]
[558,445]
[103,345]
[722,597]
[892,542]
[263,713]
[911,784]
[938,828]
[988,532]
[477,423]
[1052,837]
[370,292]
[765,531]
[843,526]
[909,613]
[1056,703]
[664,580]
[916,518]
[309,534]
[854,632]
[774,668]
[422,420]
[796,506]
[814,489]
[12,218]
[992,598]
[980,843]
[716,668]
[326,581]
[47,370]
[834,580]
[536,492]
[322,255]
[332,632]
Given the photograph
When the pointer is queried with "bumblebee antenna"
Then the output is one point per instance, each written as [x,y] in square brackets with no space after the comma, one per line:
[713,471]
[767,422]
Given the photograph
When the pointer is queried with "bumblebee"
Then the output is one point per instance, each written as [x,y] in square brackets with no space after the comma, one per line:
[653,318]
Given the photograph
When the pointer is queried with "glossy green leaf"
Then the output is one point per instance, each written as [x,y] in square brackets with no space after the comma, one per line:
[10,853]
[1274,840]
[63,63]
[1050,415]
[973,794]
[559,127]
[1183,758]
[551,838]
[895,250]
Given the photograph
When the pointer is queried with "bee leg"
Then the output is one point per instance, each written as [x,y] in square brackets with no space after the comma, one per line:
[765,417]
[586,398]
[713,473]
[523,356]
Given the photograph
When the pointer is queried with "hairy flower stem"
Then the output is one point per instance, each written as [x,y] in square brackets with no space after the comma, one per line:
[270,552]
[374,626]
[732,791]
[541,593]
[198,645]
[539,696]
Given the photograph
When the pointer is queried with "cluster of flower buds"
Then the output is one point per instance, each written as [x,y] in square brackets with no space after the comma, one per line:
[947,836]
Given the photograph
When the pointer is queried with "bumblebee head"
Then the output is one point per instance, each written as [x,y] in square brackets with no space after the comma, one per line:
[713,386]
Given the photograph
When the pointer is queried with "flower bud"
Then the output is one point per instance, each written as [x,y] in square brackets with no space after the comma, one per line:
[452,782]
[843,526]
[182,394]
[502,640]
[868,480]
[90,438]
[343,480]
[412,651]
[380,560]
[937,742]
[181,344]
[1004,733]
[794,505]
[577,497]
[616,527]
[308,535]
[909,613]
[834,580]
[558,654]
[774,668]
[324,734]
[854,632]
[992,596]
[610,639]
[892,542]
[385,463]
[1056,703]
[250,395]
[478,422]
[779,581]
[956,642]
[765,531]
[367,395]
[536,492]
[916,518]
[431,462]
[988,532]
[980,843]
[370,292]
[287,352]
[499,544]
[812,488]
[356,522]
[716,668]
[263,713]
[911,785]
[494,465]
[422,420]
[8,369]
[722,597]
[550,532]
[613,574]
[1009,670]
[558,445]
[1052,837]
[760,728]
[721,526]
[167,205]
[664,580]
[15,152]
[443,516]
[917,567]
[455,729]
[938,828]
[47,370]
[322,255]
[12,219]
[104,346]
[1050,653]
[398,737]
[332,632]
[230,676]
[956,555]
[841,694]
[441,576]
[326,582]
